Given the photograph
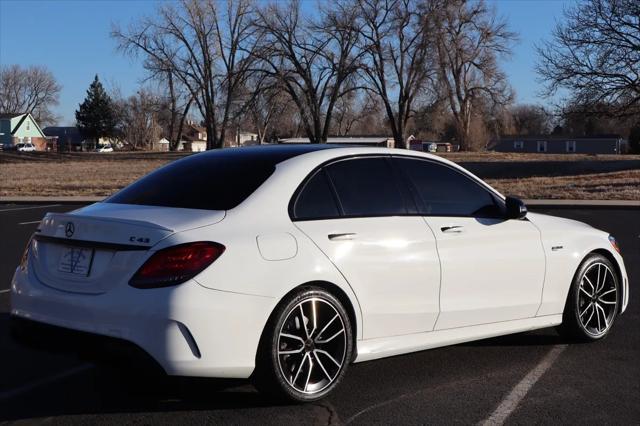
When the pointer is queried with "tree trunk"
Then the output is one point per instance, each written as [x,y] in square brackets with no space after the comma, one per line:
[175,144]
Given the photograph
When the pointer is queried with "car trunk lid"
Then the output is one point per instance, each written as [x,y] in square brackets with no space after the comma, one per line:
[94,248]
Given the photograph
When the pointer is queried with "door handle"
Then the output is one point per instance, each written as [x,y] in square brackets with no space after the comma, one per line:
[454,229]
[342,237]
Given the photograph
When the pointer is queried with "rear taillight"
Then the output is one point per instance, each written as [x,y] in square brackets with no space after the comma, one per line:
[175,265]
[25,255]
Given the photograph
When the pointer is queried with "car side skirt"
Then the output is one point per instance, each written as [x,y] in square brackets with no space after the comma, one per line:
[371,349]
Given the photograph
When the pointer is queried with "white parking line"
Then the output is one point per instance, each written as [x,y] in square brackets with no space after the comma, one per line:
[29,223]
[28,208]
[11,393]
[517,394]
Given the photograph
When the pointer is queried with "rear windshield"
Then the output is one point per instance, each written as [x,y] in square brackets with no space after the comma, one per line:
[214,180]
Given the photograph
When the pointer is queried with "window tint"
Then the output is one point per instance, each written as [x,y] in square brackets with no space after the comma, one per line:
[316,199]
[366,187]
[214,180]
[444,191]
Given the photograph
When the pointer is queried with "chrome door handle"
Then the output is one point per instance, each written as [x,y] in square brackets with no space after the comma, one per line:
[454,229]
[342,237]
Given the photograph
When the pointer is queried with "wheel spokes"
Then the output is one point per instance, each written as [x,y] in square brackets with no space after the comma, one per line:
[608,302]
[328,355]
[306,384]
[604,317]
[585,310]
[298,356]
[326,326]
[330,338]
[293,382]
[586,323]
[589,295]
[593,288]
[303,320]
[597,299]
[322,366]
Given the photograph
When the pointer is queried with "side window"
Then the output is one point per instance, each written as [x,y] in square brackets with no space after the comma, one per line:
[366,187]
[316,199]
[444,191]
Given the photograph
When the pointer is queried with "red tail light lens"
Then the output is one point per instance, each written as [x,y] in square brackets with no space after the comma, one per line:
[25,255]
[175,265]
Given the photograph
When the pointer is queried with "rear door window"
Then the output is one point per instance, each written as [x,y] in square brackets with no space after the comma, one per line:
[366,187]
[316,200]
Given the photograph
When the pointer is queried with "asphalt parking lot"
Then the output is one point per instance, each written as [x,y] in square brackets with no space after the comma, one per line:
[576,383]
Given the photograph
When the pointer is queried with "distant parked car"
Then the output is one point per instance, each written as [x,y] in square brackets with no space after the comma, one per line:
[25,147]
[104,148]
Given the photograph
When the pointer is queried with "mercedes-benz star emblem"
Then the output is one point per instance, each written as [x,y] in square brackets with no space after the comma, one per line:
[69,229]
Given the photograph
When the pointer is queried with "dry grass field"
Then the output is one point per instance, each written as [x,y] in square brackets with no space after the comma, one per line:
[532,176]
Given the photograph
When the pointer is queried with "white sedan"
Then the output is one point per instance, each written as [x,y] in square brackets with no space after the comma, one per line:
[288,263]
[25,147]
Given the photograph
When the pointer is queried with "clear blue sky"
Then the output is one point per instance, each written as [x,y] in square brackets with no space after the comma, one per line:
[71,37]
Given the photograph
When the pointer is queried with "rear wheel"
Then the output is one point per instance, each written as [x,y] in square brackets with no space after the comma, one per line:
[593,302]
[305,348]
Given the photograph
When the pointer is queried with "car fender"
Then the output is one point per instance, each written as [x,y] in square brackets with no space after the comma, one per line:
[564,254]
[265,276]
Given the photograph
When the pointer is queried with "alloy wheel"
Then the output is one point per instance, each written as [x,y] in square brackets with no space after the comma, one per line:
[312,345]
[597,299]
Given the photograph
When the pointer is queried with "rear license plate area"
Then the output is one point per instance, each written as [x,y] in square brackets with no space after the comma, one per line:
[76,260]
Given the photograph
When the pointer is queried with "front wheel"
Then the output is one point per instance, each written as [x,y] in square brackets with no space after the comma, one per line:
[305,348]
[593,302]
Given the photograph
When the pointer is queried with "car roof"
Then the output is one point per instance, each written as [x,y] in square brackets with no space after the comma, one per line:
[280,153]
[268,153]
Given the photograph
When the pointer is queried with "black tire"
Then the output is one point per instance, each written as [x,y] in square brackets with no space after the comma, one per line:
[598,312]
[275,371]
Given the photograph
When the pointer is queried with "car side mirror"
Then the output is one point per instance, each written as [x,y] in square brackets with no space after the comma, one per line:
[516,209]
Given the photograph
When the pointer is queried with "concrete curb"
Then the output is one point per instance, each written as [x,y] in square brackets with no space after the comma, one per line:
[590,203]
[551,203]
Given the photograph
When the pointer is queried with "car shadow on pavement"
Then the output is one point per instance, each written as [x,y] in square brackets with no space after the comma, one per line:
[37,383]
[103,390]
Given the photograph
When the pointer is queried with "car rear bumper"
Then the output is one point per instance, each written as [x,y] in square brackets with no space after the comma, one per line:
[189,330]
[94,347]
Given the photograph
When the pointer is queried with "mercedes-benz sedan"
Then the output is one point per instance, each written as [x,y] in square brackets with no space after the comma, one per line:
[288,263]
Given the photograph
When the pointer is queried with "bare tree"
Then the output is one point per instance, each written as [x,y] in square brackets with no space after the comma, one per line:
[33,90]
[596,119]
[357,113]
[595,54]
[397,64]
[469,38]
[138,115]
[314,59]
[267,102]
[206,48]
[531,120]
[177,102]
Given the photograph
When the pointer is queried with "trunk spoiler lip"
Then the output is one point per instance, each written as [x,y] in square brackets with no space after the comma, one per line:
[88,244]
[71,216]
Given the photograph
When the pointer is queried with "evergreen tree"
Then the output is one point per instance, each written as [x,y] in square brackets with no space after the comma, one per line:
[96,117]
